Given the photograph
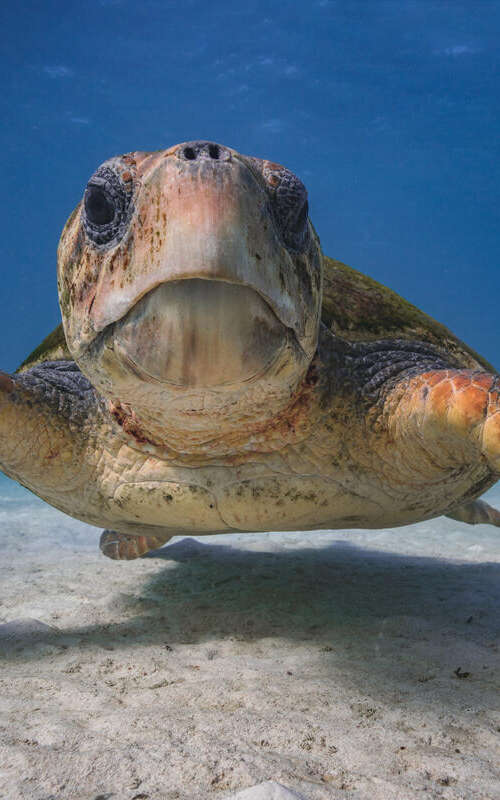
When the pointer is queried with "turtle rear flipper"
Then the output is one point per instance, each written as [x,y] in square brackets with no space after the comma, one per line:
[125,547]
[476,512]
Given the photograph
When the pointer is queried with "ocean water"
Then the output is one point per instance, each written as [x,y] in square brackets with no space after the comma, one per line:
[341,663]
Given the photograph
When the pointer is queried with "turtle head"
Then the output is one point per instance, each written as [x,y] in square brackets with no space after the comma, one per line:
[190,279]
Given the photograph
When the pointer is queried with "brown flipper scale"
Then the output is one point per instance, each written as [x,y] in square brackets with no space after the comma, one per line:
[449,411]
[450,418]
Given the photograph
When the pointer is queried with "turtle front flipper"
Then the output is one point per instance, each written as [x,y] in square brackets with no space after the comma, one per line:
[445,424]
[57,441]
[476,512]
[125,547]
[44,427]
[53,438]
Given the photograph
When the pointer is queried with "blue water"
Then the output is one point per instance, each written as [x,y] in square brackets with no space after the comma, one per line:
[12,494]
[388,111]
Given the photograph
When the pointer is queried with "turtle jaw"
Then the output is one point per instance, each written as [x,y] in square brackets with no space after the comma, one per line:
[197,361]
[199,333]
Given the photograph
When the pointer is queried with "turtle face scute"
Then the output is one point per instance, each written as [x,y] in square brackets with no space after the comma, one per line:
[191,277]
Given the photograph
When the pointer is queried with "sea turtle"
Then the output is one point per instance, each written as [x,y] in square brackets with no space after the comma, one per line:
[215,372]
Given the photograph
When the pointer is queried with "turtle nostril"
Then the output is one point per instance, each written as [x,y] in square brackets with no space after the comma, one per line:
[201,151]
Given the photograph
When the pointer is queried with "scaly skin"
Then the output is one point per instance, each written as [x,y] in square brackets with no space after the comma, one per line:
[211,398]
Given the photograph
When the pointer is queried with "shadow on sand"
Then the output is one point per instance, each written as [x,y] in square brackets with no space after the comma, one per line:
[340,599]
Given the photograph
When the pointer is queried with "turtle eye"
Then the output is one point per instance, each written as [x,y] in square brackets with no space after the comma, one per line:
[99,208]
[289,205]
[107,207]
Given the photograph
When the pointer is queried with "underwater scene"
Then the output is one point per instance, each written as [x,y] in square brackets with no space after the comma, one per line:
[249,401]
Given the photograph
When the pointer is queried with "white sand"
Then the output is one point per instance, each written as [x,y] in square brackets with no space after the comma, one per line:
[341,665]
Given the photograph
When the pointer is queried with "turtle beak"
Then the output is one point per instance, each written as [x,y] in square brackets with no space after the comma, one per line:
[214,302]
[201,218]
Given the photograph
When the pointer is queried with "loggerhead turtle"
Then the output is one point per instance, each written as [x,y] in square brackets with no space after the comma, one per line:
[215,372]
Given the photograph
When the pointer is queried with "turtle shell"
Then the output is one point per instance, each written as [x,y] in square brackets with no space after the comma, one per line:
[359,309]
[53,348]
[355,307]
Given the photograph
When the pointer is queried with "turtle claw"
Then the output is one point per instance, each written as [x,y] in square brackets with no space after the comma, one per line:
[125,547]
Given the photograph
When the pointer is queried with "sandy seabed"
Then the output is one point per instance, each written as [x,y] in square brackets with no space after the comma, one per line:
[361,665]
